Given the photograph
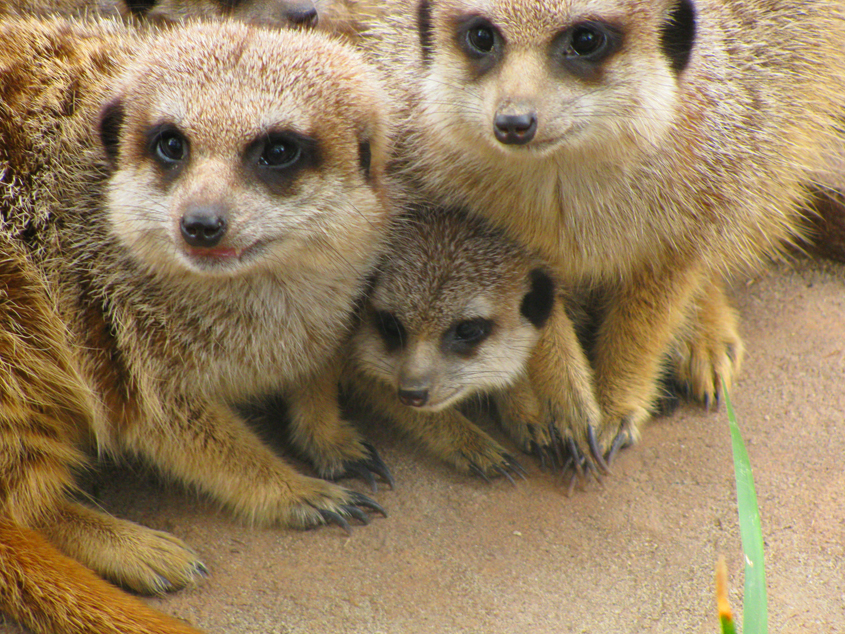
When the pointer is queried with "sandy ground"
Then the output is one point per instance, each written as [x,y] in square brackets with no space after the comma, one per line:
[635,554]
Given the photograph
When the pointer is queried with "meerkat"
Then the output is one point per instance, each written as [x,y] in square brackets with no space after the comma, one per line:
[46,409]
[454,312]
[203,206]
[645,148]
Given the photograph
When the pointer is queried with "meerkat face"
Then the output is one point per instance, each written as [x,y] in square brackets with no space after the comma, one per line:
[536,78]
[455,310]
[233,149]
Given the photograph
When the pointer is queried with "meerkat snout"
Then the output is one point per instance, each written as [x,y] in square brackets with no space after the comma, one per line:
[515,129]
[204,226]
[304,14]
[413,398]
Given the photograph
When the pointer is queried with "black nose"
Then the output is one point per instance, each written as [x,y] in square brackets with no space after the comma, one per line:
[413,398]
[302,16]
[515,129]
[203,227]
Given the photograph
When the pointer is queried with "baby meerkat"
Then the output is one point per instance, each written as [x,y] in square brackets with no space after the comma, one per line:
[455,311]
[201,207]
[645,148]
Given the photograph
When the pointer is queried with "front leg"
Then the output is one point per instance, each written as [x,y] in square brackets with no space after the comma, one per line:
[332,444]
[207,445]
[707,351]
[554,413]
[642,317]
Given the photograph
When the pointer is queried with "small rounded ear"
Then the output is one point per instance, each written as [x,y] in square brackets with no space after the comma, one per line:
[365,157]
[539,301]
[111,121]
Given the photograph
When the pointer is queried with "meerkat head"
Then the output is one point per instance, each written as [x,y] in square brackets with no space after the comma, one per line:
[271,12]
[535,78]
[455,310]
[233,148]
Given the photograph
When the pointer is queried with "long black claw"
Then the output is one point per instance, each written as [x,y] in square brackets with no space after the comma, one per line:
[515,466]
[557,447]
[621,441]
[503,472]
[479,472]
[330,517]
[359,499]
[576,455]
[360,470]
[357,513]
[595,451]
[538,451]
[377,465]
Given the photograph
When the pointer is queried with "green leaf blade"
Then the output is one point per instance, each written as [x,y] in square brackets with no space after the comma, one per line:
[755,612]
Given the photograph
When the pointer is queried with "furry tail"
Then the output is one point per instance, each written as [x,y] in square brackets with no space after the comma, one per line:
[53,594]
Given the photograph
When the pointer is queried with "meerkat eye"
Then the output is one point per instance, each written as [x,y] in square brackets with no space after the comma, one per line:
[390,328]
[482,39]
[466,335]
[479,38]
[590,42]
[280,152]
[170,146]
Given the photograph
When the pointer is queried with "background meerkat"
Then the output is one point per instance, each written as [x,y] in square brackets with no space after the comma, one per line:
[455,311]
[202,207]
[645,148]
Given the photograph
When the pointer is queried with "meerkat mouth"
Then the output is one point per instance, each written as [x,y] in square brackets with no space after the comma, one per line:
[222,258]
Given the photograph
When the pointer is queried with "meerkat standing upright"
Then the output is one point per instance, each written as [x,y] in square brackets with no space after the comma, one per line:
[645,148]
[200,208]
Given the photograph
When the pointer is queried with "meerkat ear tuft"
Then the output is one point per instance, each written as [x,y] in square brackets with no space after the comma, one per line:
[365,157]
[678,35]
[424,29]
[111,121]
[538,302]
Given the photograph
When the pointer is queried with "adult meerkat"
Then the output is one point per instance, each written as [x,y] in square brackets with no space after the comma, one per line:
[645,148]
[455,311]
[202,207]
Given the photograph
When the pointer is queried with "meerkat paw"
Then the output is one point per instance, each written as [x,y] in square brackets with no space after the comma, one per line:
[708,354]
[141,559]
[365,468]
[485,458]
[316,502]
[563,431]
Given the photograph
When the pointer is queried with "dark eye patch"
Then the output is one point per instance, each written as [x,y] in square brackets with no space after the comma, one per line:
[481,41]
[390,329]
[583,47]
[278,157]
[466,335]
[168,147]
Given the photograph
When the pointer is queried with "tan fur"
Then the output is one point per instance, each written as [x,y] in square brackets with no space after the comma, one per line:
[134,340]
[454,313]
[46,410]
[644,184]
